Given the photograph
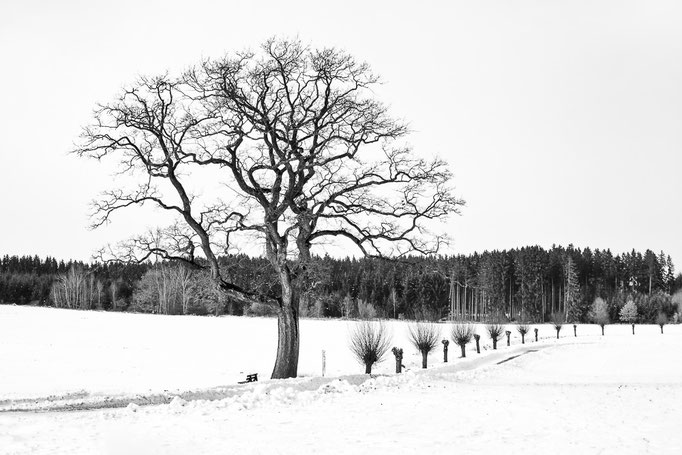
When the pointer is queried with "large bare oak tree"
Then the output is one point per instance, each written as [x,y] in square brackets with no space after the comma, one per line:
[303,153]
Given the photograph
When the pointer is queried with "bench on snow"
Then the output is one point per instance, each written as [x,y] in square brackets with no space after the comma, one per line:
[250,378]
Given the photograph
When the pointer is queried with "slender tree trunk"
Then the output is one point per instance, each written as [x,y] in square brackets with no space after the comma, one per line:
[494,343]
[602,330]
[523,338]
[425,356]
[464,351]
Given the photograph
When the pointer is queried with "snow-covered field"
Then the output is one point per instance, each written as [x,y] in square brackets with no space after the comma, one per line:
[590,394]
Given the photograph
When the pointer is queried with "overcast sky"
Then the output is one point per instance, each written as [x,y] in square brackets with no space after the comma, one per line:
[562,120]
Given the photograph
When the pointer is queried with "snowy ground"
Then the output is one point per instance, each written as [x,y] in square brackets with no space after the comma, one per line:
[617,394]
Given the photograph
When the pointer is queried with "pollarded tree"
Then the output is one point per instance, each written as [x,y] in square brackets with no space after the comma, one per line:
[425,337]
[599,313]
[300,152]
[523,328]
[462,334]
[369,341]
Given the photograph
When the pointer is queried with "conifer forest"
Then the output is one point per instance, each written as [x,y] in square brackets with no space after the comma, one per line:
[526,284]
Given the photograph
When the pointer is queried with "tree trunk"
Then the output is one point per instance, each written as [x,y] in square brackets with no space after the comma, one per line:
[661,329]
[425,356]
[557,333]
[494,343]
[478,344]
[464,351]
[523,338]
[633,329]
[368,368]
[602,330]
[286,364]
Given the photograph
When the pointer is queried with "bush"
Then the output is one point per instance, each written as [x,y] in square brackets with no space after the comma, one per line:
[425,336]
[366,310]
[369,341]
[495,332]
[461,335]
[260,309]
[523,329]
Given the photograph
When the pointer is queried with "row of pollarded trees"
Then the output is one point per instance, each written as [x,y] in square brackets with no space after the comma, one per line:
[371,340]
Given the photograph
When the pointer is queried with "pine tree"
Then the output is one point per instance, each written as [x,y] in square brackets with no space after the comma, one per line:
[572,292]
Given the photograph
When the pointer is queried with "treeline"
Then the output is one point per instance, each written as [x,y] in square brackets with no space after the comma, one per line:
[520,284]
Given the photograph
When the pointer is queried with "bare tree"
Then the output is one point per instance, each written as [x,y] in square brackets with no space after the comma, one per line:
[462,334]
[369,341]
[558,322]
[73,289]
[495,332]
[424,336]
[523,329]
[302,152]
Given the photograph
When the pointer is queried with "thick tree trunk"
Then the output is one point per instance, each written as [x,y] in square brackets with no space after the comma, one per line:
[478,343]
[425,356]
[368,368]
[286,364]
[464,349]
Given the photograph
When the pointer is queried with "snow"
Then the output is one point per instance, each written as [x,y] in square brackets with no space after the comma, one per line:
[590,394]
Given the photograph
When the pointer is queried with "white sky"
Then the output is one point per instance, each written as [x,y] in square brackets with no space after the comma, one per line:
[562,120]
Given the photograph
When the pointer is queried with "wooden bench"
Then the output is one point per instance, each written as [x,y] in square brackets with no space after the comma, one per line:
[250,378]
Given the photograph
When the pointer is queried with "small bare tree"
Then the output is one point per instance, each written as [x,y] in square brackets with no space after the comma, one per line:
[558,322]
[462,335]
[369,341]
[495,332]
[425,337]
[523,329]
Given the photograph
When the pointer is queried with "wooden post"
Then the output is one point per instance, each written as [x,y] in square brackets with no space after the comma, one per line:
[508,335]
[536,334]
[575,333]
[445,350]
[324,363]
